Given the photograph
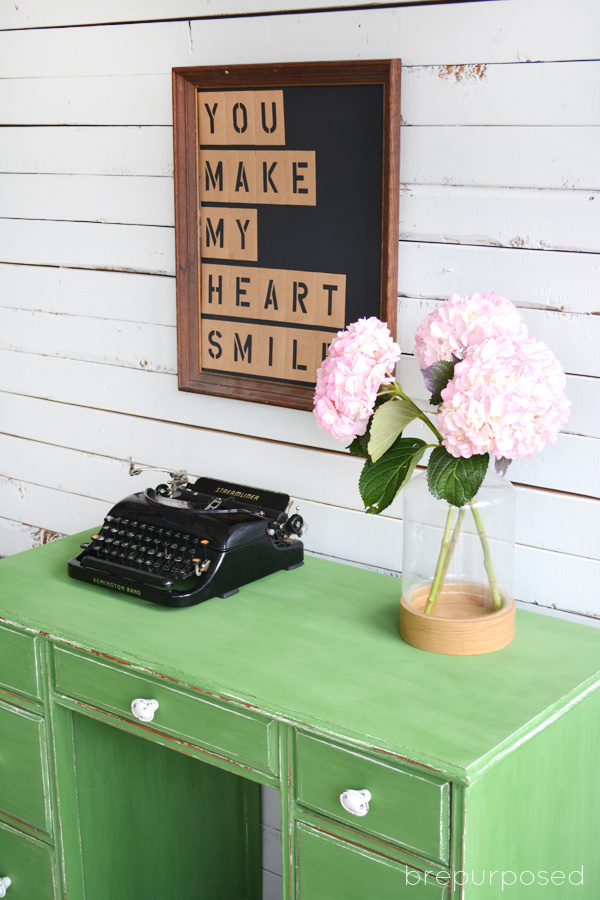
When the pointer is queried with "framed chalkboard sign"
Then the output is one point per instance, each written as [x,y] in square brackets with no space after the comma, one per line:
[286,226]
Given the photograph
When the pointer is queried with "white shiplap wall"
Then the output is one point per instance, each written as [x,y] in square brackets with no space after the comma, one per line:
[500,191]
[499,149]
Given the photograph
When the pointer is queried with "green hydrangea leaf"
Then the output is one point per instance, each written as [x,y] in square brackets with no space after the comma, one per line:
[359,446]
[455,479]
[381,481]
[387,424]
[436,378]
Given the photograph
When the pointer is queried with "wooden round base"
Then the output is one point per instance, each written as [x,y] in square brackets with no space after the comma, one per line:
[460,625]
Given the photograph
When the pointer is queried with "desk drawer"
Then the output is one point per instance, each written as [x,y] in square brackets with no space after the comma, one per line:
[236,735]
[28,864]
[18,667]
[407,808]
[23,788]
[331,868]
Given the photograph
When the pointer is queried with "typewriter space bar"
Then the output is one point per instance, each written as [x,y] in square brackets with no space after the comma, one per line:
[112,568]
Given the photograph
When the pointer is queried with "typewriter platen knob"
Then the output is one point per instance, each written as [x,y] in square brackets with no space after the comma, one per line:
[294,525]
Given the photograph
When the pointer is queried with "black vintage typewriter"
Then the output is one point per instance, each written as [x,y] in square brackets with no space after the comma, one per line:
[181,543]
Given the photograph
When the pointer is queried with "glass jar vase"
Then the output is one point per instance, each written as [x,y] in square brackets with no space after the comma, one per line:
[458,568]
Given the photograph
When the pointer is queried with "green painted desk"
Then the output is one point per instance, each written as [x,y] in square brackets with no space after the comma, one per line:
[481,770]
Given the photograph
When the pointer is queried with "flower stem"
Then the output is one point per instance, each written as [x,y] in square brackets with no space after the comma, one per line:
[436,585]
[398,392]
[434,597]
[487,557]
[454,540]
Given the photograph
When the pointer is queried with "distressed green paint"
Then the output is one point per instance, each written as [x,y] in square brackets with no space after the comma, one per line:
[29,864]
[23,795]
[242,736]
[18,669]
[330,869]
[282,639]
[154,823]
[486,762]
[536,816]
[408,808]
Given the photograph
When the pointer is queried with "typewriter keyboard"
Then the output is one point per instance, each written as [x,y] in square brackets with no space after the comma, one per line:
[149,548]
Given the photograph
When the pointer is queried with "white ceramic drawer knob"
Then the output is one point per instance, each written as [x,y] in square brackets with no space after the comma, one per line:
[144,710]
[355,802]
[4,885]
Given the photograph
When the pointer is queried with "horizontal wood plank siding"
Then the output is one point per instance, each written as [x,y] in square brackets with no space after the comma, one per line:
[500,140]
[36,14]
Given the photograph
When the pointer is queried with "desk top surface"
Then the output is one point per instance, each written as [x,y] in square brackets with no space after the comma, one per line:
[320,646]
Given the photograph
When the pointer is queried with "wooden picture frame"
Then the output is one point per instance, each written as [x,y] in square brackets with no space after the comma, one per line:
[286,219]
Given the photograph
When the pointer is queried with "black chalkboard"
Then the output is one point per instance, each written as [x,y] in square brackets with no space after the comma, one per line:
[286,219]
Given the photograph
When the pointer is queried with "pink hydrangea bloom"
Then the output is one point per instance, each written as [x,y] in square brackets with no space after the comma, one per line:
[506,398]
[359,361]
[461,323]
